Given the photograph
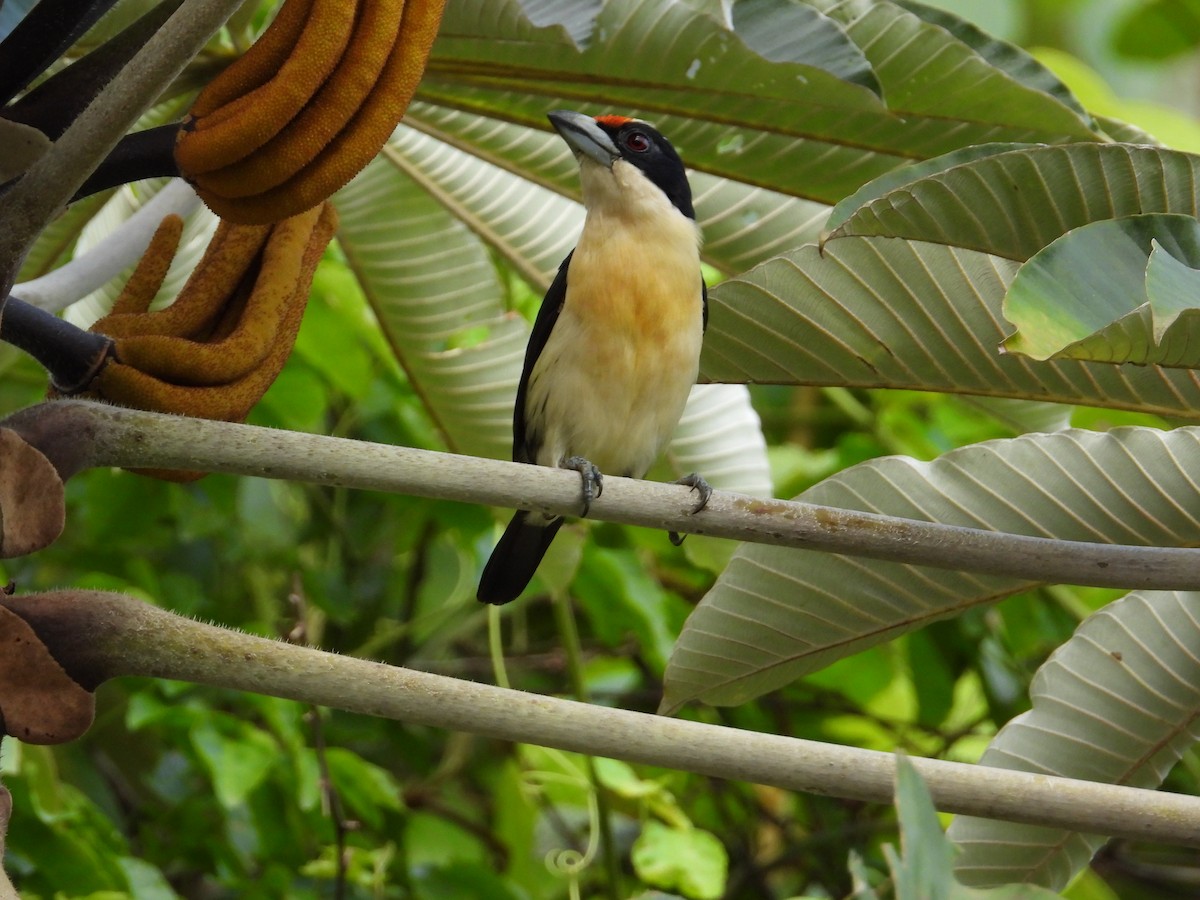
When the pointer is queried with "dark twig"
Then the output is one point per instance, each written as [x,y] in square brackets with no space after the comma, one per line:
[71,355]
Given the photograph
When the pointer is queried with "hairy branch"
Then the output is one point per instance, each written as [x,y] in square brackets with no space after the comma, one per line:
[97,635]
[79,434]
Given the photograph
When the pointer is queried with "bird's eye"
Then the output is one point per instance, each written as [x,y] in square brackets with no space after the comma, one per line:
[637,142]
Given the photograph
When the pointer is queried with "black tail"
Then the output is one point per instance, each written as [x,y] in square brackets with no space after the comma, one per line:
[516,558]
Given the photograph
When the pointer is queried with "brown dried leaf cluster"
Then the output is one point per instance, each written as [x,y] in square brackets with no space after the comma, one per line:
[32,506]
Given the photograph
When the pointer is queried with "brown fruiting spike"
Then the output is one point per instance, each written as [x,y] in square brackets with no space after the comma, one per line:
[32,504]
[326,114]
[222,370]
[39,702]
[152,268]
[241,126]
[230,254]
[315,148]
[258,66]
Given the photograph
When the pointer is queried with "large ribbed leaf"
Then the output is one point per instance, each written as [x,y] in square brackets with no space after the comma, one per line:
[797,129]
[1118,703]
[884,312]
[932,63]
[884,185]
[720,437]
[803,34]
[430,280]
[776,614]
[1004,56]
[1120,290]
[1013,204]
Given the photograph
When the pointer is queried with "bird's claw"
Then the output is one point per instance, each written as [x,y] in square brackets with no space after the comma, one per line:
[698,484]
[593,480]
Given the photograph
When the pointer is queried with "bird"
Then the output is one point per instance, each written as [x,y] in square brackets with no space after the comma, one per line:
[615,347]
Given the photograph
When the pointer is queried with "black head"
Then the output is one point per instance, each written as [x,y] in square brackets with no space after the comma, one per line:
[606,139]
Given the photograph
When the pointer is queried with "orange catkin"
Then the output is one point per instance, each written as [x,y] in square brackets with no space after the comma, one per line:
[231,251]
[261,113]
[180,360]
[260,63]
[151,269]
[330,109]
[362,138]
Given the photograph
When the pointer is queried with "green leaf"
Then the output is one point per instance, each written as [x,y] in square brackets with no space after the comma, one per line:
[923,871]
[691,861]
[797,33]
[238,757]
[802,131]
[1122,290]
[1014,203]
[880,312]
[1158,29]
[1007,57]
[620,598]
[880,187]
[433,841]
[1118,703]
[776,614]
[366,789]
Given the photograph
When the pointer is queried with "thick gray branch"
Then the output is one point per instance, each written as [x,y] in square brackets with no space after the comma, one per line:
[129,637]
[88,434]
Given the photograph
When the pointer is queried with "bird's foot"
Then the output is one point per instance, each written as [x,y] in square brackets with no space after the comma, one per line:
[702,487]
[593,480]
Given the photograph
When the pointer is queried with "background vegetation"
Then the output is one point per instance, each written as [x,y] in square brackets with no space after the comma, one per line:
[180,790]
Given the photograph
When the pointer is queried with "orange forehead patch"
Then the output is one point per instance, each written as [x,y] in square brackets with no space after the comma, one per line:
[613,121]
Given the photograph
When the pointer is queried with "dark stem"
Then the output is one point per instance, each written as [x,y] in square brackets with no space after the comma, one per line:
[42,37]
[56,102]
[71,355]
[143,154]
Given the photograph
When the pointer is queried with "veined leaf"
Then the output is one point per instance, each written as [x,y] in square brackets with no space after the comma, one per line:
[776,614]
[1007,57]
[1015,203]
[798,130]
[1118,703]
[802,34]
[720,437]
[1121,290]
[576,17]
[882,186]
[430,281]
[884,312]
[964,62]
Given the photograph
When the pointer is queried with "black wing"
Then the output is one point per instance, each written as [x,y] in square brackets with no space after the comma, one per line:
[525,441]
[704,301]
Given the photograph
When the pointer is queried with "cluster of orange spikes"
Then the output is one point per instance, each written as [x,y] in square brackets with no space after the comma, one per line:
[214,352]
[265,145]
[307,106]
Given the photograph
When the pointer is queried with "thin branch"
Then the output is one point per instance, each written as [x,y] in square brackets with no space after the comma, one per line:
[119,250]
[108,635]
[71,355]
[53,179]
[79,434]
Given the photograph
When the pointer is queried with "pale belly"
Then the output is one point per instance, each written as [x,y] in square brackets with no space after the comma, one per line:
[617,402]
